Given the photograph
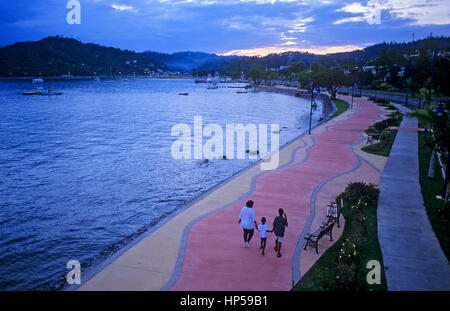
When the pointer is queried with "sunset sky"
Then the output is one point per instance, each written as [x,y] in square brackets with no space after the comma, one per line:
[229,27]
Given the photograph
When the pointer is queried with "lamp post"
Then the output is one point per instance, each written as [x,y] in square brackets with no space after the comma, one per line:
[431,80]
[441,112]
[311,107]
[353,94]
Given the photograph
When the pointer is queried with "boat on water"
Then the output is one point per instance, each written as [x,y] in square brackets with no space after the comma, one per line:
[184,94]
[42,92]
[37,80]
[31,93]
[241,92]
[212,86]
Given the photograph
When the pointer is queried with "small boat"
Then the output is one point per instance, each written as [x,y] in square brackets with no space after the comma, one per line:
[212,86]
[41,92]
[37,80]
[241,92]
[31,93]
[184,94]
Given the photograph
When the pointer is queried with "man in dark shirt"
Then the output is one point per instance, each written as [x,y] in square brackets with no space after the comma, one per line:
[279,224]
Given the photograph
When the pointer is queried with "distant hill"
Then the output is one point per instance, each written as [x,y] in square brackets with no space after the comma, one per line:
[225,64]
[57,55]
[187,61]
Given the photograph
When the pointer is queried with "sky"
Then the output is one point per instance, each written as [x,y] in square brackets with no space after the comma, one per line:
[227,27]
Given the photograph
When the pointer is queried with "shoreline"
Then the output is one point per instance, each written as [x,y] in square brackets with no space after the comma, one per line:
[102,263]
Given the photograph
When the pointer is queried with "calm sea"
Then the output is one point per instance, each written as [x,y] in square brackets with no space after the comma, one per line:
[83,173]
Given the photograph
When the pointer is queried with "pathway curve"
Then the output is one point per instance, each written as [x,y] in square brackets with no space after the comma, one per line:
[200,247]
[412,255]
[214,258]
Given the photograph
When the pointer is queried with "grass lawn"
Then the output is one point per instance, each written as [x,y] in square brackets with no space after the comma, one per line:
[322,275]
[341,106]
[383,148]
[430,188]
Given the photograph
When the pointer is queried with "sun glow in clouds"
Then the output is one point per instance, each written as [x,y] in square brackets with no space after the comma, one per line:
[322,50]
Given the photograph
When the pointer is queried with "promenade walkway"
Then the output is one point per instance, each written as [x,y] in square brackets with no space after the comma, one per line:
[412,255]
[201,247]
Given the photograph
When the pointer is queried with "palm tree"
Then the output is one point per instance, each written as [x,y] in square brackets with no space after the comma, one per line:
[426,117]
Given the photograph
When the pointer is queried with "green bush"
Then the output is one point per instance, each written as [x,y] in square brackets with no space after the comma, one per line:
[381,101]
[357,190]
[343,265]
[385,134]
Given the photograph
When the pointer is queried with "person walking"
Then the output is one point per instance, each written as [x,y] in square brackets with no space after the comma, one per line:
[247,220]
[279,225]
[263,228]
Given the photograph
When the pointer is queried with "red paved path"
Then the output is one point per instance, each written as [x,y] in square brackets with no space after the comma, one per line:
[215,258]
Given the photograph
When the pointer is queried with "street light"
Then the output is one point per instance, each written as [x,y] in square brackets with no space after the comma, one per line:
[353,94]
[441,112]
[311,107]
[431,80]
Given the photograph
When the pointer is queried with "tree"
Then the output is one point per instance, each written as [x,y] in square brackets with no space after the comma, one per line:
[272,76]
[238,71]
[332,80]
[425,117]
[438,128]
[316,67]
[304,78]
[296,67]
[256,73]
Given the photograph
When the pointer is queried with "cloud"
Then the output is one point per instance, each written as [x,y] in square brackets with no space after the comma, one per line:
[419,12]
[263,51]
[349,20]
[123,7]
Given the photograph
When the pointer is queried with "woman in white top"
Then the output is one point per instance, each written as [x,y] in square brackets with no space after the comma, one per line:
[247,220]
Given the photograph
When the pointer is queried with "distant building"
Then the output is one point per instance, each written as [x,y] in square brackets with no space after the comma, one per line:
[372,69]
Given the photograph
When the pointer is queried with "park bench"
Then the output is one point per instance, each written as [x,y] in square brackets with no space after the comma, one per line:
[334,212]
[372,135]
[312,239]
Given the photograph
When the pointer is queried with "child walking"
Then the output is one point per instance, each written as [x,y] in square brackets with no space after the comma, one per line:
[263,228]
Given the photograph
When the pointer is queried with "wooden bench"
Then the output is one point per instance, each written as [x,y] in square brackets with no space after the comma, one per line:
[372,135]
[312,239]
[334,212]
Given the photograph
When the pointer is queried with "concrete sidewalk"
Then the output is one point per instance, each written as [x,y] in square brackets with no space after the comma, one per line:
[412,255]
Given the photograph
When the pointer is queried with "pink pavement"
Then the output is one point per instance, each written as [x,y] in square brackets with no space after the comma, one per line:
[215,258]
